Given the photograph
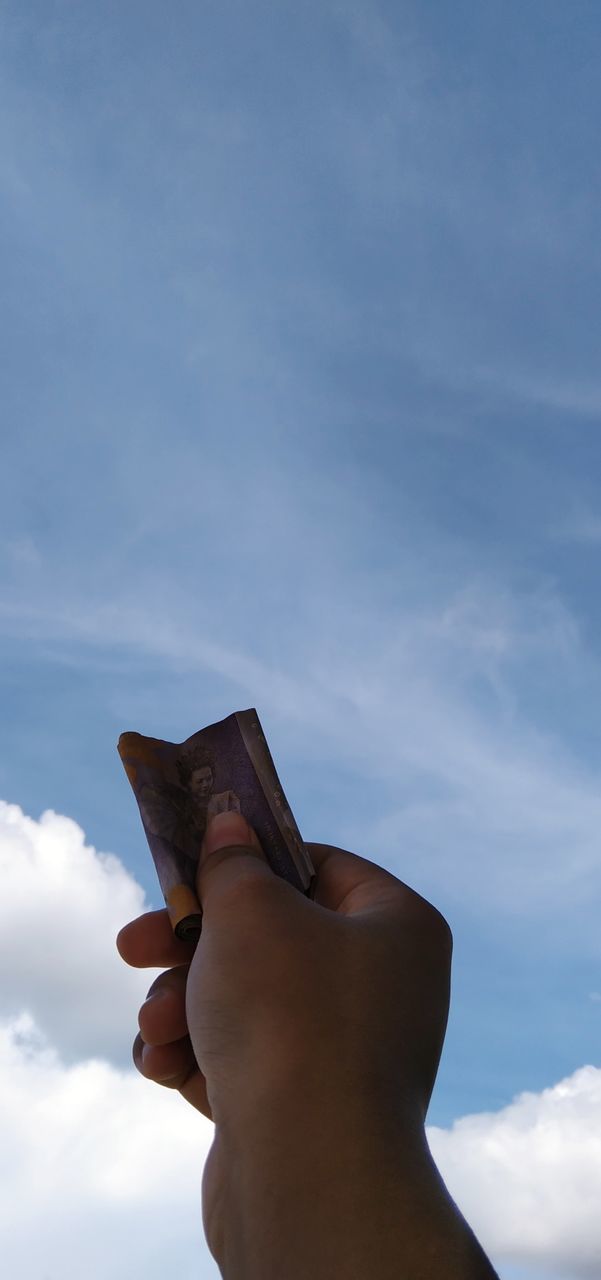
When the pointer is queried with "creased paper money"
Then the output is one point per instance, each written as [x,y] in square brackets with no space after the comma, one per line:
[179,786]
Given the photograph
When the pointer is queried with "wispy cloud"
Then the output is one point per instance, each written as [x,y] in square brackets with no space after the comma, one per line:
[426,703]
[582,526]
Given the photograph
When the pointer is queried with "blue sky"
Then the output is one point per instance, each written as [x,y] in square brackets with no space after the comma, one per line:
[301,405]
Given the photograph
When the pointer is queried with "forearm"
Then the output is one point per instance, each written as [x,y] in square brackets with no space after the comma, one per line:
[329,1201]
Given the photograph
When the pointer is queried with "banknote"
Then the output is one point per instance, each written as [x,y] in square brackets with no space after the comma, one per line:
[179,786]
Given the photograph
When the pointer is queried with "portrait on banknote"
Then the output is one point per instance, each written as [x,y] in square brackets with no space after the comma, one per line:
[179,811]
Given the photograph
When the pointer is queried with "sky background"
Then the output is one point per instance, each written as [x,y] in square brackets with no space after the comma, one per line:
[300,345]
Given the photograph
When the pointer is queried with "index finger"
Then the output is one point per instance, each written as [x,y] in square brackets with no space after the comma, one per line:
[150,943]
[347,883]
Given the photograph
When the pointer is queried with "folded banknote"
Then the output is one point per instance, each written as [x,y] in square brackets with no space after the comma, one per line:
[180,785]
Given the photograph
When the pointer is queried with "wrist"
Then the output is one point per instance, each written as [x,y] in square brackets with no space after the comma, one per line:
[325,1193]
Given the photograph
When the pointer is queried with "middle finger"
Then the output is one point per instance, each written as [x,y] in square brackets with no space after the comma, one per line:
[162,1017]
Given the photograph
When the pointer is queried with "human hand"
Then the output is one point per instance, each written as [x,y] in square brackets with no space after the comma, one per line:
[330,1007]
[361,971]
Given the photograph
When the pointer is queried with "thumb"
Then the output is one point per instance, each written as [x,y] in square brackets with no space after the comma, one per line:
[230,854]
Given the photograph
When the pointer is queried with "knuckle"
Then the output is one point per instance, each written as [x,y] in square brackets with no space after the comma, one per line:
[431,923]
[440,929]
[169,980]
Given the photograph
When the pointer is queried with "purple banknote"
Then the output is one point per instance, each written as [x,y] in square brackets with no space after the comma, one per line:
[180,785]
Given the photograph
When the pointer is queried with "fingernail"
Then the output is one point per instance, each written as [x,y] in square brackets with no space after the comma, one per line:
[225,829]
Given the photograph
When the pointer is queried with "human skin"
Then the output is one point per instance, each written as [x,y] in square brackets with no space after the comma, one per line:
[310,1032]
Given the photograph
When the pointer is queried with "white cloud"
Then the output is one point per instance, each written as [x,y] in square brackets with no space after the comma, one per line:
[61,907]
[528,1178]
[100,1171]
